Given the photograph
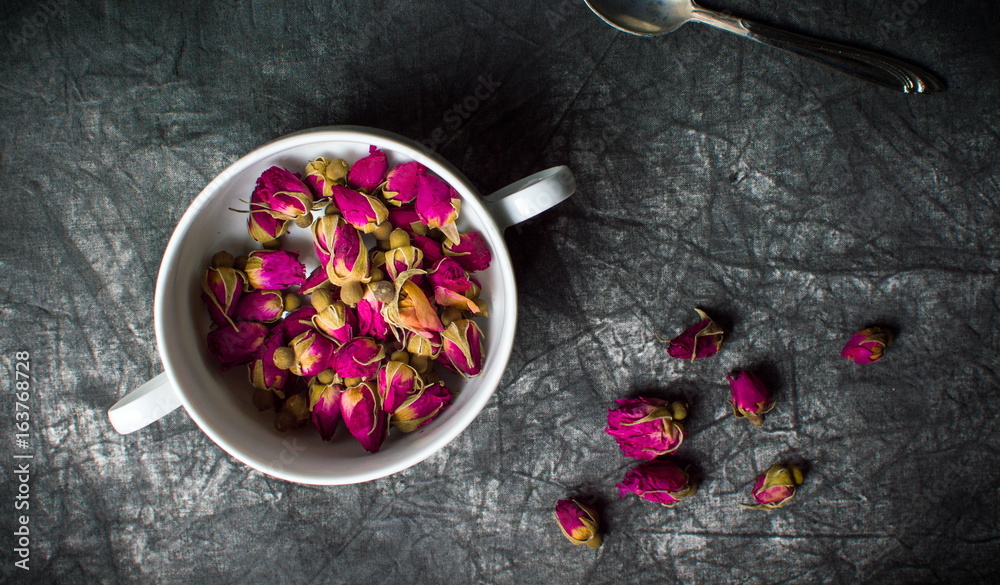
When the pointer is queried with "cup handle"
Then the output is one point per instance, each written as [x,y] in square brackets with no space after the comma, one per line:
[144,405]
[530,196]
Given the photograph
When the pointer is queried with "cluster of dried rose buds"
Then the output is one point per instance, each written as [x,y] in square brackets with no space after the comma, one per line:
[382,309]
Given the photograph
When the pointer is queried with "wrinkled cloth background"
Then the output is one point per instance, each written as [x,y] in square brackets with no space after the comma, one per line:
[793,203]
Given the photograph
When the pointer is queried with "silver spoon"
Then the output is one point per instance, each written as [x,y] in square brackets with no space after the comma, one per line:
[657,17]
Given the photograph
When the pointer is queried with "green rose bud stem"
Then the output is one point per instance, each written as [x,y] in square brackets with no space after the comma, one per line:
[222,259]
[377,275]
[351,382]
[351,293]
[284,357]
[292,302]
[383,230]
[419,228]
[241,262]
[305,220]
[399,238]
[420,363]
[449,315]
[401,356]
[321,298]
[679,410]
[326,376]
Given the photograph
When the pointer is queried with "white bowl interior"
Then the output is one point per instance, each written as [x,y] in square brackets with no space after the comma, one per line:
[221,402]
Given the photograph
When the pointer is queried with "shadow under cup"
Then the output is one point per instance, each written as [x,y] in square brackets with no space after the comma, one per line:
[221,403]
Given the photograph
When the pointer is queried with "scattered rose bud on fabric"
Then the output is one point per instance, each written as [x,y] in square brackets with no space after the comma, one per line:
[264,306]
[324,404]
[274,269]
[646,428]
[422,408]
[776,487]
[660,481]
[361,409]
[369,172]
[235,346]
[750,397]
[322,174]
[462,348]
[701,340]
[403,182]
[867,346]
[579,523]
[470,252]
[221,289]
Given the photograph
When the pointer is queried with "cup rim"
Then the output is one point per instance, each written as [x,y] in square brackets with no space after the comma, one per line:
[490,377]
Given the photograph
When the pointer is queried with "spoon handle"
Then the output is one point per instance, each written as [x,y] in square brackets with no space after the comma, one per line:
[873,67]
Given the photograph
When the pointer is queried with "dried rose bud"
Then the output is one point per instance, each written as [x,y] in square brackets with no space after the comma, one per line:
[265,306]
[358,358]
[294,413]
[579,523]
[402,183]
[313,353]
[750,397]
[342,251]
[470,252]
[462,348]
[364,212]
[282,195]
[866,346]
[322,174]
[324,404]
[296,323]
[221,289]
[412,310]
[264,374]
[265,228]
[337,321]
[363,416]
[646,428]
[701,340]
[419,345]
[274,269]
[401,258]
[316,279]
[396,382]
[431,248]
[660,481]
[776,487]
[405,218]
[369,172]
[371,323]
[234,346]
[451,283]
[420,409]
[438,205]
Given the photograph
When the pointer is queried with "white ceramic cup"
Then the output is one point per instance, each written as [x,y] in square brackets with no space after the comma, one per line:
[220,403]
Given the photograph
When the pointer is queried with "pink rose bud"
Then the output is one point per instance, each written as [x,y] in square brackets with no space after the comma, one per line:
[412,310]
[337,321]
[646,428]
[296,323]
[431,248]
[701,340]
[776,487]
[342,251]
[438,205]
[660,481]
[399,260]
[866,346]
[420,409]
[368,173]
[264,375]
[450,282]
[364,212]
[358,358]
[371,323]
[236,346]
[221,289]
[264,228]
[322,174]
[470,252]
[424,346]
[462,348]
[750,397]
[274,269]
[313,353]
[324,404]
[363,416]
[316,279]
[579,523]
[396,382]
[264,306]
[283,195]
[404,218]
[403,182]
